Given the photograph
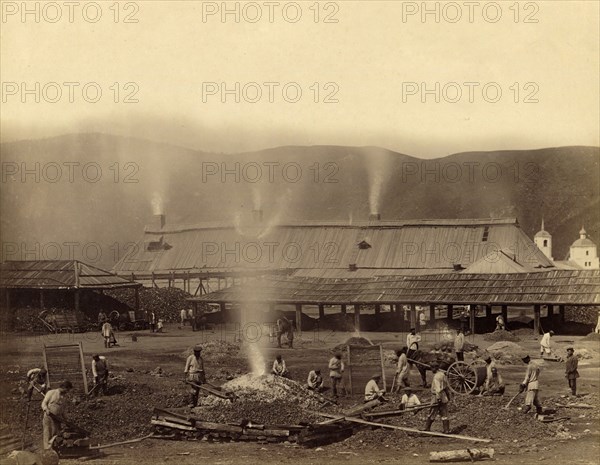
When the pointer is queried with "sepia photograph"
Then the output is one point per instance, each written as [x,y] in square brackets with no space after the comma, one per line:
[299,232]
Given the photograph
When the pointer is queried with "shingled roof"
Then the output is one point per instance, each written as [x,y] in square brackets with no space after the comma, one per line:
[58,274]
[569,287]
[330,248]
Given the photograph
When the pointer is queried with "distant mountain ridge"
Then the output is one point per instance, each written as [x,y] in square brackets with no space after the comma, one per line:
[105,201]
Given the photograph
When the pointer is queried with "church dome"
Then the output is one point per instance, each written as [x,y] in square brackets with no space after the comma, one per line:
[583,242]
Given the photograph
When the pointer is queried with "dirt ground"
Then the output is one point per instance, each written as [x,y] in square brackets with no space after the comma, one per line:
[579,443]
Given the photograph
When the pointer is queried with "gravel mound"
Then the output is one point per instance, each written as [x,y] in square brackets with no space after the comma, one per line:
[507,353]
[592,337]
[501,335]
[352,341]
[448,346]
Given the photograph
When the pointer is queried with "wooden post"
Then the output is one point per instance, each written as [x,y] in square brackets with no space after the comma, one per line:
[413,316]
[377,309]
[550,311]
[488,311]
[561,310]
[343,309]
[350,365]
[321,311]
[472,318]
[431,315]
[42,299]
[450,314]
[299,318]
[505,314]
[382,368]
[536,319]
[357,317]
[76,298]
[137,298]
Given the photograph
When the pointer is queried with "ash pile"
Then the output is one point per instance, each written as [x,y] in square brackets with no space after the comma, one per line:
[265,399]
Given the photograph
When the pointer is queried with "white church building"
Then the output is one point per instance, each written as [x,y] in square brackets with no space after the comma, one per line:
[583,253]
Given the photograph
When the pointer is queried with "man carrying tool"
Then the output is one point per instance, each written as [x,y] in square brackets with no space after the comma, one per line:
[372,390]
[459,345]
[194,373]
[336,368]
[53,407]
[412,342]
[402,369]
[36,377]
[531,385]
[571,372]
[279,367]
[545,349]
[441,396]
[100,374]
[284,326]
[315,381]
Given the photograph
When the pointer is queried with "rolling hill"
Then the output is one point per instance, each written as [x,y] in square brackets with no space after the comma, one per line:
[94,209]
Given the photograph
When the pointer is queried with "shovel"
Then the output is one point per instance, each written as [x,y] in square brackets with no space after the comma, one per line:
[511,400]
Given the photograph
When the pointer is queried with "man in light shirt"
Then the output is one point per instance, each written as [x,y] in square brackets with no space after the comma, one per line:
[194,373]
[545,349]
[412,342]
[459,345]
[100,373]
[531,385]
[409,399]
[440,391]
[183,316]
[372,390]
[336,368]
[315,381]
[279,367]
[53,407]
[402,368]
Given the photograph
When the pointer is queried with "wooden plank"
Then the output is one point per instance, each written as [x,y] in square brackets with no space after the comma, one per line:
[402,428]
[172,425]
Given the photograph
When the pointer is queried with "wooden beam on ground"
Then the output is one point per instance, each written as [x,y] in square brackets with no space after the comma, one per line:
[402,428]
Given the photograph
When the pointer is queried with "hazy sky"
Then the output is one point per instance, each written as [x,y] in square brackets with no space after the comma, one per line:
[372,65]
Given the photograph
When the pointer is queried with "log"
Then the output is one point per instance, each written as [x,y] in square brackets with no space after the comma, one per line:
[402,428]
[585,406]
[463,455]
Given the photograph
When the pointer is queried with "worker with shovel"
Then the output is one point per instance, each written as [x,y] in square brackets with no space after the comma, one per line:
[531,385]
[100,374]
[194,373]
[53,407]
[441,396]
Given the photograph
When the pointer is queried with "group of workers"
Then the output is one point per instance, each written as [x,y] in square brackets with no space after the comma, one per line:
[53,403]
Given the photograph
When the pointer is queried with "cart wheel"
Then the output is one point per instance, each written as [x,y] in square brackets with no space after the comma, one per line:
[462,378]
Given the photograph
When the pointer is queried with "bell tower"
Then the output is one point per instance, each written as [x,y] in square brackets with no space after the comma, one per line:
[543,240]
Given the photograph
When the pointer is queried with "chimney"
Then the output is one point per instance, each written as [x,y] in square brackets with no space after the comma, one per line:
[374,217]
[352,267]
[160,220]
[257,216]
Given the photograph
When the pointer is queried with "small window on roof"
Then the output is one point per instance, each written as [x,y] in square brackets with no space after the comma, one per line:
[486,233]
[364,245]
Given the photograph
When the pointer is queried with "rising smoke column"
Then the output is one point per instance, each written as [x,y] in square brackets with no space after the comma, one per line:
[378,163]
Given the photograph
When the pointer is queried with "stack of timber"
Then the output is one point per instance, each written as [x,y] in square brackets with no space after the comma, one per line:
[173,425]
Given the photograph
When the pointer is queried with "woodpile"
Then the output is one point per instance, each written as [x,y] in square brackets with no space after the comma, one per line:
[173,425]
